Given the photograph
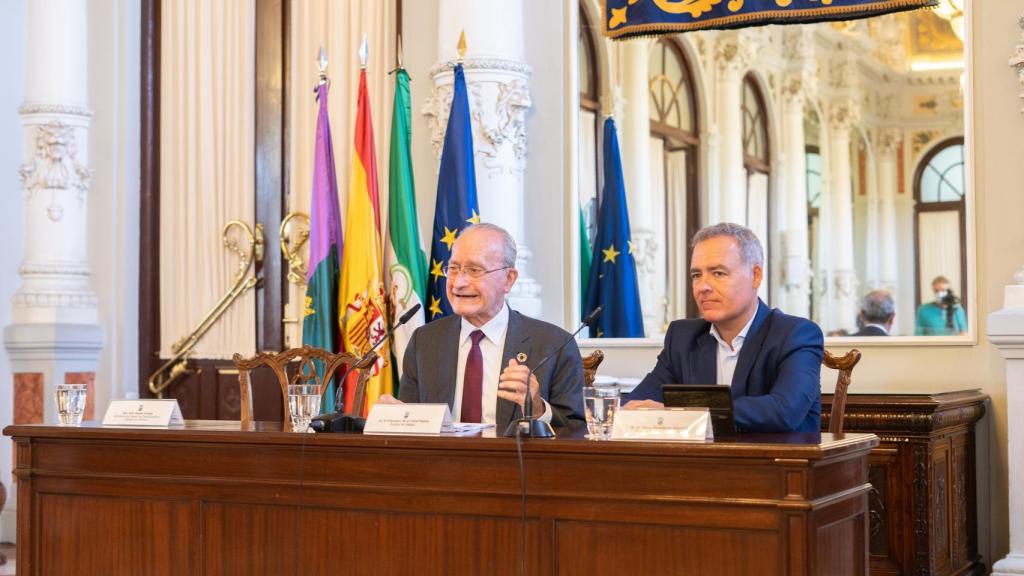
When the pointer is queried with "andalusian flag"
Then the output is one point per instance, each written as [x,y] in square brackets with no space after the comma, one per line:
[406,262]
[364,316]
[319,323]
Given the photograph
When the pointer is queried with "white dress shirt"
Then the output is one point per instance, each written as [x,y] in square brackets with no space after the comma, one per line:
[491,348]
[728,355]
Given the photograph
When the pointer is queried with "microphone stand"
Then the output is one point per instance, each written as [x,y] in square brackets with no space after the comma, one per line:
[528,425]
[338,421]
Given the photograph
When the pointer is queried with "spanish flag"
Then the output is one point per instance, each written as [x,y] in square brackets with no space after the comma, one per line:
[361,294]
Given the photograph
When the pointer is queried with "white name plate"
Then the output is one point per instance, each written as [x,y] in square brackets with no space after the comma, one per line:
[143,413]
[678,424]
[408,419]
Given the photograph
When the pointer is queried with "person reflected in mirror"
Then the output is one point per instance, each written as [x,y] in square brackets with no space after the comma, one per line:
[877,312]
[772,360]
[943,316]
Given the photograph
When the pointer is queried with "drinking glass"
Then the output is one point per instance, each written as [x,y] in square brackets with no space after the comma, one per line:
[70,400]
[303,405]
[600,404]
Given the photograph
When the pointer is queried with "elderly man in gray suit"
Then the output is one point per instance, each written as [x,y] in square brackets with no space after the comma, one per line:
[476,360]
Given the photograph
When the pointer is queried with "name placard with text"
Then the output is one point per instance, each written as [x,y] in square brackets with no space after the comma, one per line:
[144,413]
[408,419]
[679,424]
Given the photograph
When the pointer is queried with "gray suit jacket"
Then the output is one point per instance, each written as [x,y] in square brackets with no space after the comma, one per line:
[429,368]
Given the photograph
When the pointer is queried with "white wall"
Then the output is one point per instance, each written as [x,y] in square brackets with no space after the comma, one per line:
[12,67]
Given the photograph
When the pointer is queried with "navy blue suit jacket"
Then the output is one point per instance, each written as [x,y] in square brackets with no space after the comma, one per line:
[777,383]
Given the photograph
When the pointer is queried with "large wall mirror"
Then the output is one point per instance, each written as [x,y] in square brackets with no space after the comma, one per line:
[841,144]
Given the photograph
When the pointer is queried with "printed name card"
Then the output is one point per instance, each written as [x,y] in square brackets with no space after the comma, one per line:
[408,419]
[143,413]
[676,424]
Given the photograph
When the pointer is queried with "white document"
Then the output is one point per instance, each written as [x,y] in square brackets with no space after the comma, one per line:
[672,424]
[408,419]
[147,413]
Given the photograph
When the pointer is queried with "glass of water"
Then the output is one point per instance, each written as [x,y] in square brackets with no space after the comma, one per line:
[70,400]
[303,405]
[600,403]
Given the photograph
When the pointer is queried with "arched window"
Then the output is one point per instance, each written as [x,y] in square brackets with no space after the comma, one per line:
[674,144]
[939,219]
[589,123]
[757,161]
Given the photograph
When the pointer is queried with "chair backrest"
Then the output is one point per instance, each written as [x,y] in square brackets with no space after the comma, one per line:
[304,374]
[590,364]
[845,366]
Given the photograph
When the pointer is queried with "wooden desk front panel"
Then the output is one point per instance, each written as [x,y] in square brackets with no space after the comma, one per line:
[199,502]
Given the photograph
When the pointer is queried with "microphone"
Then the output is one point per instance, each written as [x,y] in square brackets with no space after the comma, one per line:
[338,421]
[527,425]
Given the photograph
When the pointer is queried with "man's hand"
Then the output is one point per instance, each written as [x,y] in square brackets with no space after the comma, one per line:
[639,404]
[512,387]
[388,399]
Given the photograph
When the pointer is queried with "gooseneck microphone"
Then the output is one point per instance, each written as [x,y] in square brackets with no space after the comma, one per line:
[338,421]
[527,425]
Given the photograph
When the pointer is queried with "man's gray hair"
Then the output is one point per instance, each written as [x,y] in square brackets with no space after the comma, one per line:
[878,307]
[750,246]
[508,243]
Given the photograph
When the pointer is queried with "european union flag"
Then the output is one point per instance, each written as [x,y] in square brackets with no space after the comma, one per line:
[456,205]
[613,282]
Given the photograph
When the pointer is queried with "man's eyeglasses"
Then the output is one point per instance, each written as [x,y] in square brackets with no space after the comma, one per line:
[474,272]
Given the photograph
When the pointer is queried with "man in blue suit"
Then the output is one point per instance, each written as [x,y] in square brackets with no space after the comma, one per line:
[771,360]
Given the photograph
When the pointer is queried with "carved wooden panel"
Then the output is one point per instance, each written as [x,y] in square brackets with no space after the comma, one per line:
[922,503]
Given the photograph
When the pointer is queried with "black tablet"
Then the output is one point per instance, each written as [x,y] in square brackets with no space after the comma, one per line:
[717,398]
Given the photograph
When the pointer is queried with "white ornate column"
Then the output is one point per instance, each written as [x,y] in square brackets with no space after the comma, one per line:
[1006,331]
[54,336]
[635,142]
[842,116]
[734,51]
[888,146]
[499,96]
[796,284]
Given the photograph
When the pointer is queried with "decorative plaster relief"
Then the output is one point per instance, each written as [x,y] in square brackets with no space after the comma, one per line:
[54,166]
[498,125]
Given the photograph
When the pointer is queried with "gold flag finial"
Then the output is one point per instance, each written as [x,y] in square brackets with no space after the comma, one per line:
[321,64]
[462,45]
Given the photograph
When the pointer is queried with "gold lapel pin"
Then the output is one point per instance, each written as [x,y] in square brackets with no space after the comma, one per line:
[521,357]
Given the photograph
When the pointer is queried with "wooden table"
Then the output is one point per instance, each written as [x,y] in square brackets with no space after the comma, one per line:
[216,499]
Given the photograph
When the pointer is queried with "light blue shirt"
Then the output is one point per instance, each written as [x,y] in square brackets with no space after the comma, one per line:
[728,355]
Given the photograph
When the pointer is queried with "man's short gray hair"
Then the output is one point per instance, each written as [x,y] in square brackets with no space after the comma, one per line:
[750,246]
[508,243]
[878,307]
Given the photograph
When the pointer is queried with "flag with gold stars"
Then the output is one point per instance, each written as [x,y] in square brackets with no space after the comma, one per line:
[456,206]
[629,18]
[361,294]
[320,319]
[613,282]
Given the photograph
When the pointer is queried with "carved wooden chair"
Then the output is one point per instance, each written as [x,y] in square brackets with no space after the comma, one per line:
[590,364]
[304,374]
[844,364]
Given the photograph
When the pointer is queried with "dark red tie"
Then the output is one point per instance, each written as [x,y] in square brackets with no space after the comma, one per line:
[472,381]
